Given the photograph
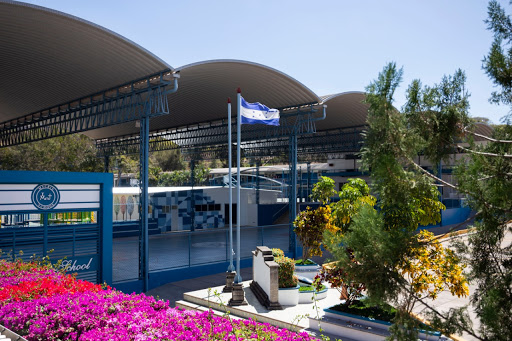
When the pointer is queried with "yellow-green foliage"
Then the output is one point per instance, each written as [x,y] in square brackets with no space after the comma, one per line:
[310,226]
[353,195]
[277,252]
[286,269]
[431,268]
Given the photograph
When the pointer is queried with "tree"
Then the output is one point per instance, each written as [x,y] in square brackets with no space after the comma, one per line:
[353,195]
[201,173]
[381,248]
[70,153]
[154,174]
[124,164]
[323,190]
[311,224]
[498,62]
[167,160]
[487,180]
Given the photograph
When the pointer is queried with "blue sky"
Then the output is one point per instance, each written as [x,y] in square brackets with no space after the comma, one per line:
[330,46]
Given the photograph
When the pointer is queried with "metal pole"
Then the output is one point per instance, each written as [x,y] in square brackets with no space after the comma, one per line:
[231,267]
[238,278]
[144,177]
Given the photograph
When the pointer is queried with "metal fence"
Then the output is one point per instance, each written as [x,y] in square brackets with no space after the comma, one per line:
[59,241]
[184,249]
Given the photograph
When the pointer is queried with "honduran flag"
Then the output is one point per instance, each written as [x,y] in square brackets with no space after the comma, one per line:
[257,113]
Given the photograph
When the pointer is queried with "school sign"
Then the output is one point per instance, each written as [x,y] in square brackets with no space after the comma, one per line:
[67,216]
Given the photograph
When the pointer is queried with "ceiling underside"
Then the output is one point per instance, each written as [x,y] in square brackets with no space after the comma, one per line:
[49,58]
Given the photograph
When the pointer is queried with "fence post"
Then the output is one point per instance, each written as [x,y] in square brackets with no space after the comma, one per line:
[45,234]
[262,239]
[189,248]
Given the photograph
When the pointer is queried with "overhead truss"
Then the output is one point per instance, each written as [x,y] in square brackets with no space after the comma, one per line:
[128,102]
[210,138]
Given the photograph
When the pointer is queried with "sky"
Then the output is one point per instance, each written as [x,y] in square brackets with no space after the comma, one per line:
[329,46]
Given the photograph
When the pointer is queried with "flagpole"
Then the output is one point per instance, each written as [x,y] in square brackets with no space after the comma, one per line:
[238,277]
[231,267]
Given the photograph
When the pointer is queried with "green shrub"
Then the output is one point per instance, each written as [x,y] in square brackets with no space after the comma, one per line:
[286,269]
[311,288]
[302,262]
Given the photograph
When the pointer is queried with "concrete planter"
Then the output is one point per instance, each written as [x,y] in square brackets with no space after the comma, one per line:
[308,296]
[361,328]
[288,296]
[308,271]
[6,334]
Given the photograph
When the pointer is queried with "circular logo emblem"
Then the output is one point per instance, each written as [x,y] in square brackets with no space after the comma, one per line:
[45,197]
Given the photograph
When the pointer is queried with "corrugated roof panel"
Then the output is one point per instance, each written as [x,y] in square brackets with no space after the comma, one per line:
[204,88]
[49,58]
[344,110]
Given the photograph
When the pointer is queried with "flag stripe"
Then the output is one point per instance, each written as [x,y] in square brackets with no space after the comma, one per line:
[257,113]
[272,122]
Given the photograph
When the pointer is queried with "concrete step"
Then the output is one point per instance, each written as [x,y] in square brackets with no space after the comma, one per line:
[236,311]
[192,306]
[8,335]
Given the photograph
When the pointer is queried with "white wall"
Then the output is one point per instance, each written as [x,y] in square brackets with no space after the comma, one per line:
[261,272]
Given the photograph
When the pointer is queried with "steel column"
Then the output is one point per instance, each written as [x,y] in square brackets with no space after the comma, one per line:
[258,182]
[193,199]
[144,197]
[106,163]
[231,267]
[292,200]
[309,182]
[45,235]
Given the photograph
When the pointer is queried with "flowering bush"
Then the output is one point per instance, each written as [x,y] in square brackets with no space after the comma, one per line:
[63,308]
[21,281]
[349,290]
[112,315]
[277,253]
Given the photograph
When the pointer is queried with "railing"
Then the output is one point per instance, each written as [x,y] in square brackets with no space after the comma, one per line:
[184,249]
[67,240]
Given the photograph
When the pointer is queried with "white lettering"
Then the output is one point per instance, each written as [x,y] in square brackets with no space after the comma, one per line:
[68,265]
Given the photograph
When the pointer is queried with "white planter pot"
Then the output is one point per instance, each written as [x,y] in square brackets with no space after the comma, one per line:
[307,296]
[308,271]
[288,296]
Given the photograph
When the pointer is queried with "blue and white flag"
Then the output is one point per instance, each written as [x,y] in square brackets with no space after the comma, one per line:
[257,113]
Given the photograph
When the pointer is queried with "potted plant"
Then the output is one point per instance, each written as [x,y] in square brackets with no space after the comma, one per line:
[307,293]
[288,283]
[310,226]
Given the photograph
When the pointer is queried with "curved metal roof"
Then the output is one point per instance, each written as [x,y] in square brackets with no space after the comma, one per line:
[49,58]
[483,129]
[205,86]
[344,110]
